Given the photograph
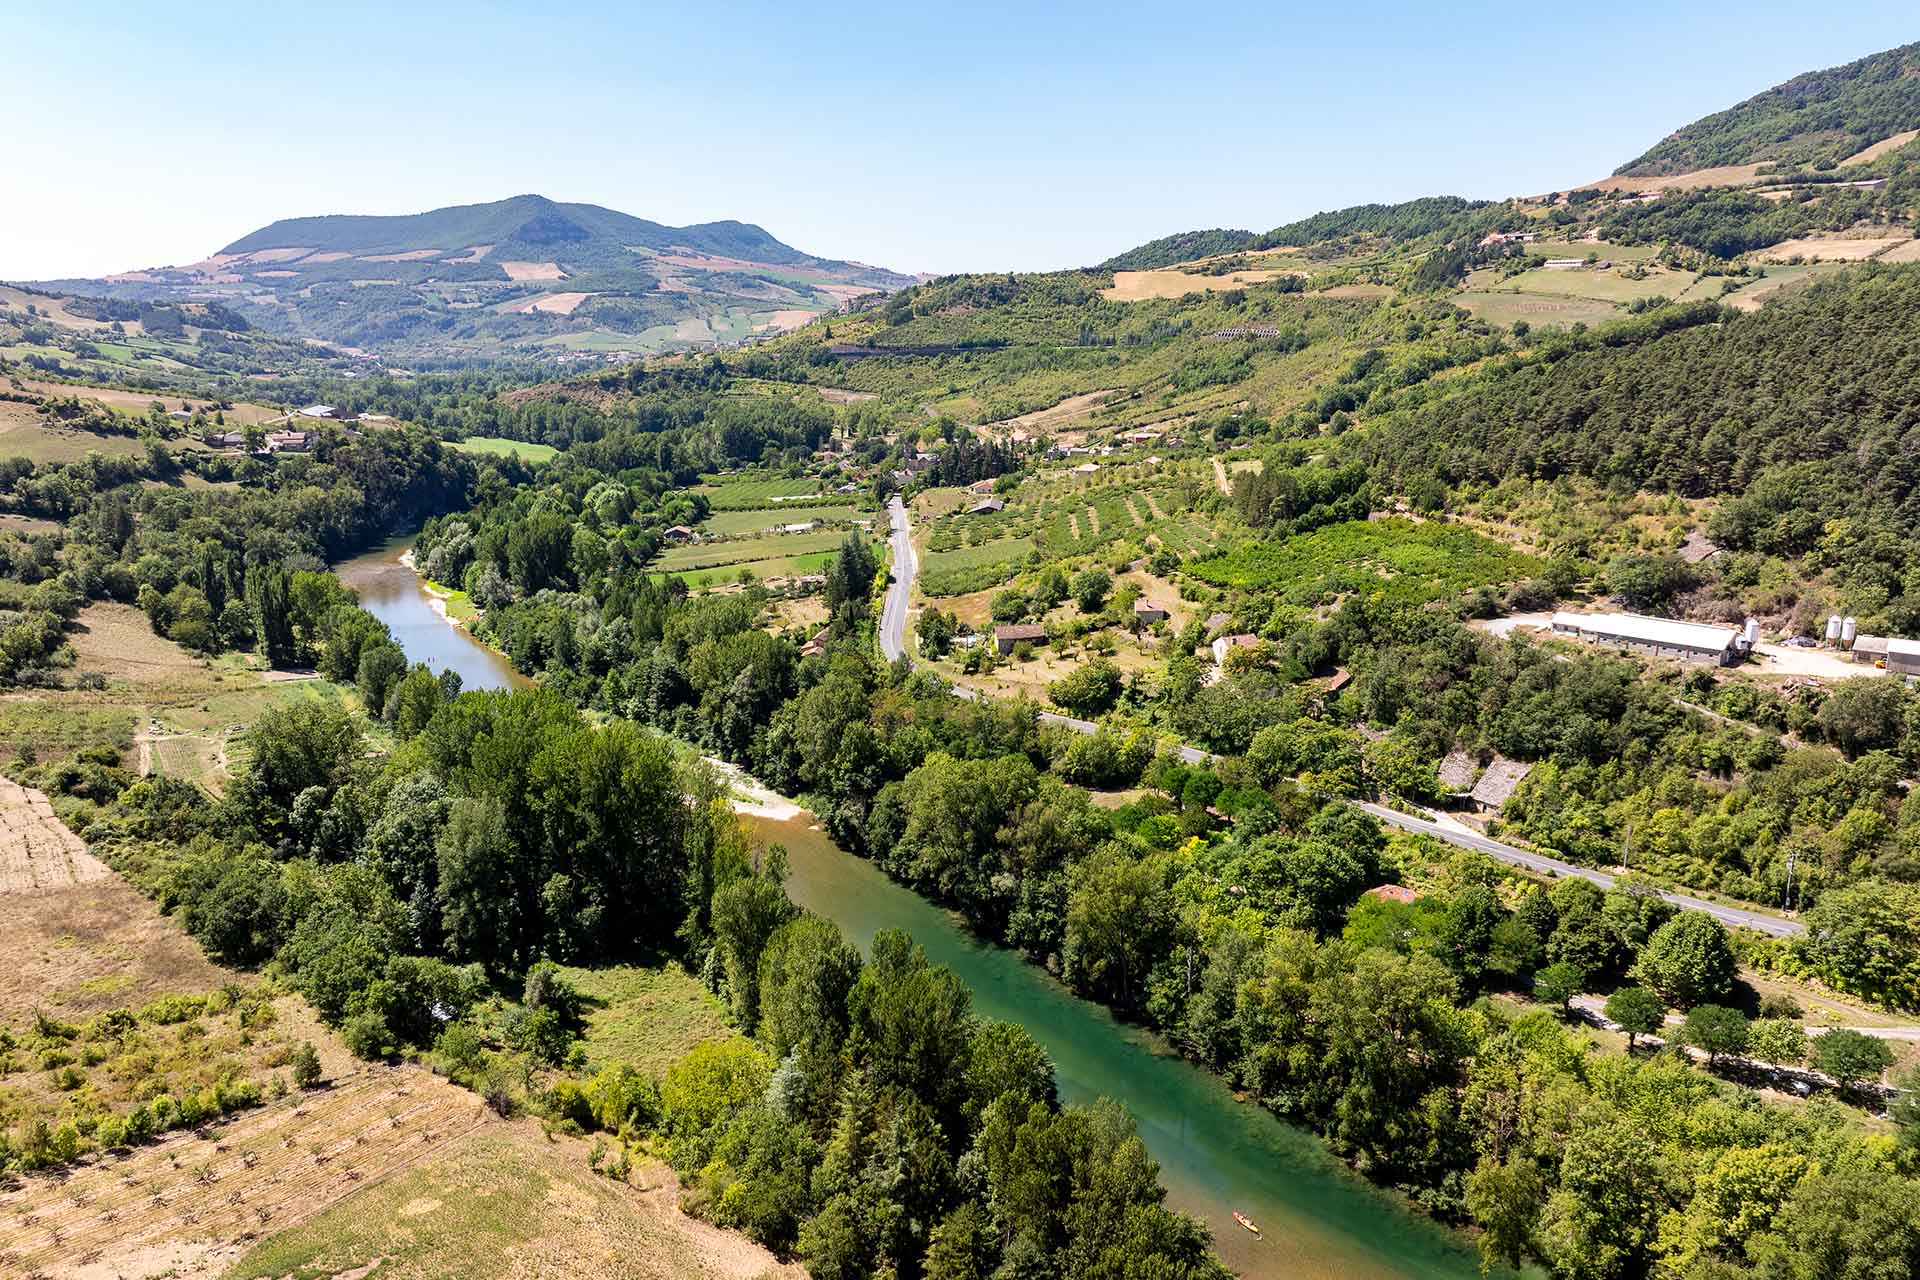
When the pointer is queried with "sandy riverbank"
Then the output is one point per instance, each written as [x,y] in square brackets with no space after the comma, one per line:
[751,797]
[436,598]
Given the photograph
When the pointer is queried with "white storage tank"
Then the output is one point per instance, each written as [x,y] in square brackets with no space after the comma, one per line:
[1833,629]
[1849,628]
[1753,634]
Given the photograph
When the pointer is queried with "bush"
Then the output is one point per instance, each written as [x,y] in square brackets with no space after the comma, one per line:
[306,1066]
[460,1050]
[366,1033]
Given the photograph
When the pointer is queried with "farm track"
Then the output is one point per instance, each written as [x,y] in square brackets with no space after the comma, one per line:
[1153,506]
[1093,519]
[171,1207]
[1220,477]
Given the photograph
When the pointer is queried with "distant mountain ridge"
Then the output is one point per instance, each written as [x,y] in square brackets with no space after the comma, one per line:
[525,275]
[530,220]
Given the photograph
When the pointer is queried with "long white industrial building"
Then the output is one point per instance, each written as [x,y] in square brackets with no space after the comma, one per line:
[1658,637]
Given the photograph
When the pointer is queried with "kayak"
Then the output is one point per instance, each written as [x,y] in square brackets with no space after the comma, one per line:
[1245,1221]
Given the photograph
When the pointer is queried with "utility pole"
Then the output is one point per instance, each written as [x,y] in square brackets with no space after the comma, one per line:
[1787,904]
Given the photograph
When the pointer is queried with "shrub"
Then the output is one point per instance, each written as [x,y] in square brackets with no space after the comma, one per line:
[306,1066]
[368,1035]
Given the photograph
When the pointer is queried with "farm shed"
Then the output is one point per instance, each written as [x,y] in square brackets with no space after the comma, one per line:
[1870,650]
[1456,773]
[986,507]
[1656,637]
[1005,637]
[1903,656]
[1498,783]
[1148,612]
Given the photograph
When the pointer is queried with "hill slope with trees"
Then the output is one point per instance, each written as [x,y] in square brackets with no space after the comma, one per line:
[1820,117]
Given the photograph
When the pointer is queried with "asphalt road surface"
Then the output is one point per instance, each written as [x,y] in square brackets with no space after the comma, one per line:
[893,615]
[893,638]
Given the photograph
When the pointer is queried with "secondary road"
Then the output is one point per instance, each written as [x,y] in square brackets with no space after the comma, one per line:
[1544,865]
[893,635]
[893,615]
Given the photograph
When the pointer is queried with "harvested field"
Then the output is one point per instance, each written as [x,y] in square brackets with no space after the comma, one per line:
[193,1203]
[1882,147]
[1909,251]
[141,401]
[1728,175]
[502,1201]
[91,946]
[36,849]
[117,640]
[840,395]
[1140,286]
[411,255]
[1832,248]
[559,304]
[781,321]
[1538,310]
[521,271]
[25,434]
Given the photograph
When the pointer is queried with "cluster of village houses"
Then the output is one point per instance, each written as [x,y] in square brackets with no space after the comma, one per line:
[288,440]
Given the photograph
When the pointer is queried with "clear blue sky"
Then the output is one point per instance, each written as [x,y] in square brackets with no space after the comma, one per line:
[980,136]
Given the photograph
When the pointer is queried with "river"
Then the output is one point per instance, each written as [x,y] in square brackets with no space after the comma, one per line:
[392,592]
[1319,1220]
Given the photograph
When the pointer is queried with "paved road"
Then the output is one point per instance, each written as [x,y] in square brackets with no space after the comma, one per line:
[893,631]
[906,566]
[1544,865]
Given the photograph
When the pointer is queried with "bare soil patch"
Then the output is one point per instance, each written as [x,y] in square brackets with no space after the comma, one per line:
[1882,147]
[36,849]
[1139,286]
[1906,252]
[519,271]
[781,321]
[1049,420]
[1833,248]
[840,395]
[559,304]
[91,946]
[1728,175]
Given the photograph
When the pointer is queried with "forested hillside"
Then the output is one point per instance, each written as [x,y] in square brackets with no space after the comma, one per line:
[1813,119]
[1183,247]
[1803,414]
